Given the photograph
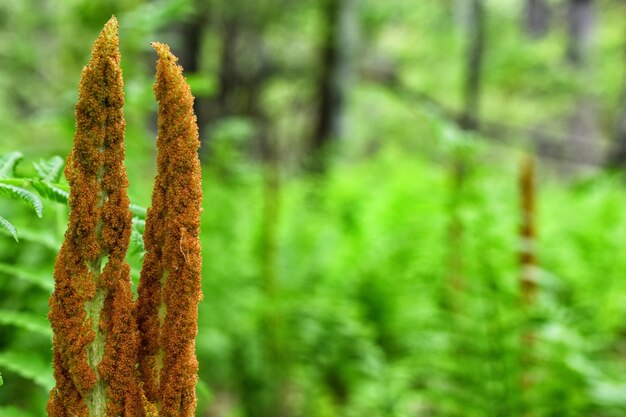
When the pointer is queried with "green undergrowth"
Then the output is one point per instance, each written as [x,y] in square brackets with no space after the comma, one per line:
[361,318]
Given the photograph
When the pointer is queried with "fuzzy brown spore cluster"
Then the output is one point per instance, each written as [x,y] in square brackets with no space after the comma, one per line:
[110,358]
[169,289]
[91,308]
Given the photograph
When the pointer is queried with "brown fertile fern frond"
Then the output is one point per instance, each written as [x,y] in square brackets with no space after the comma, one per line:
[91,309]
[528,230]
[169,289]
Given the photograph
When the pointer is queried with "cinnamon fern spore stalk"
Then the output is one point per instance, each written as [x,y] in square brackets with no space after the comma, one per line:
[528,232]
[91,309]
[169,289]
[528,275]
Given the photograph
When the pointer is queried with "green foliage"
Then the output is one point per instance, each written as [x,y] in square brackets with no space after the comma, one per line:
[14,412]
[369,329]
[28,366]
[8,163]
[50,170]
[26,321]
[46,184]
[17,193]
[7,226]
[41,281]
[367,326]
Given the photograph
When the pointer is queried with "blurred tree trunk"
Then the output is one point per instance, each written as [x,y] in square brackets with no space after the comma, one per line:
[244,68]
[191,33]
[537,16]
[617,155]
[228,73]
[474,66]
[189,51]
[340,18]
[460,10]
[583,129]
[469,120]
[581,25]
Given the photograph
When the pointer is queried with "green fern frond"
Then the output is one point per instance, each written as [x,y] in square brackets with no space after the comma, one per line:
[29,366]
[14,192]
[136,236]
[42,281]
[138,211]
[26,321]
[49,170]
[46,238]
[140,224]
[9,411]
[47,185]
[8,163]
[7,226]
[52,192]
[204,391]
[136,242]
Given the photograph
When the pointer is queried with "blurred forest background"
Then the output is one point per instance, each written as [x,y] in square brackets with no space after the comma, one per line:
[411,208]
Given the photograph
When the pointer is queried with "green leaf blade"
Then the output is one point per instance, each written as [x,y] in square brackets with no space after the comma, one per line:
[6,225]
[9,411]
[49,170]
[52,192]
[29,366]
[18,193]
[8,163]
[136,242]
[138,211]
[43,282]
[27,321]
